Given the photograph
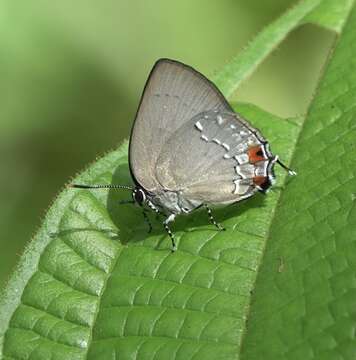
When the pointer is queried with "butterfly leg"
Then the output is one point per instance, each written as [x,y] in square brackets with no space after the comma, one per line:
[147,220]
[212,220]
[169,219]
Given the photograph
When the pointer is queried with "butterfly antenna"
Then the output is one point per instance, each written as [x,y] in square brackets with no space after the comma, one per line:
[290,171]
[110,186]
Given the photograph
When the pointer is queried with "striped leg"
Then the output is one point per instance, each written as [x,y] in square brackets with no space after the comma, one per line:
[212,220]
[169,219]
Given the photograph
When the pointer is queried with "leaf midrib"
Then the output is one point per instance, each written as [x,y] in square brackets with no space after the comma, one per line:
[301,124]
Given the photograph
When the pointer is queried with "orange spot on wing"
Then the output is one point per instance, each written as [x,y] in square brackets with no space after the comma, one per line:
[259,180]
[255,154]
[263,183]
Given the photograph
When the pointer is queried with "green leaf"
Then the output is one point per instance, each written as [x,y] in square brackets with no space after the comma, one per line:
[241,67]
[93,294]
[94,285]
[304,298]
[328,13]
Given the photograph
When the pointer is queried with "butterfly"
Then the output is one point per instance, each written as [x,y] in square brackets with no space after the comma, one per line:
[188,148]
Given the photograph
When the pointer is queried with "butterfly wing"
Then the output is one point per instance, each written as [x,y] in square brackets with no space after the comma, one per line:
[215,158]
[174,94]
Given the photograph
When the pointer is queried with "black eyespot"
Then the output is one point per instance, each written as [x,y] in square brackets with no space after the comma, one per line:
[139,196]
[259,153]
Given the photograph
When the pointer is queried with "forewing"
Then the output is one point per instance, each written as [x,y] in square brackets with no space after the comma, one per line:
[174,93]
[208,160]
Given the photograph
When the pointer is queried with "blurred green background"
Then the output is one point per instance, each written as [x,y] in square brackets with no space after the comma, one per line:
[72,74]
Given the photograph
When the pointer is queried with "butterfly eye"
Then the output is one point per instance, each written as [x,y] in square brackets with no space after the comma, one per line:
[139,196]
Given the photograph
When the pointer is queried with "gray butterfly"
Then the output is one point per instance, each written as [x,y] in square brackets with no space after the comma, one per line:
[188,148]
